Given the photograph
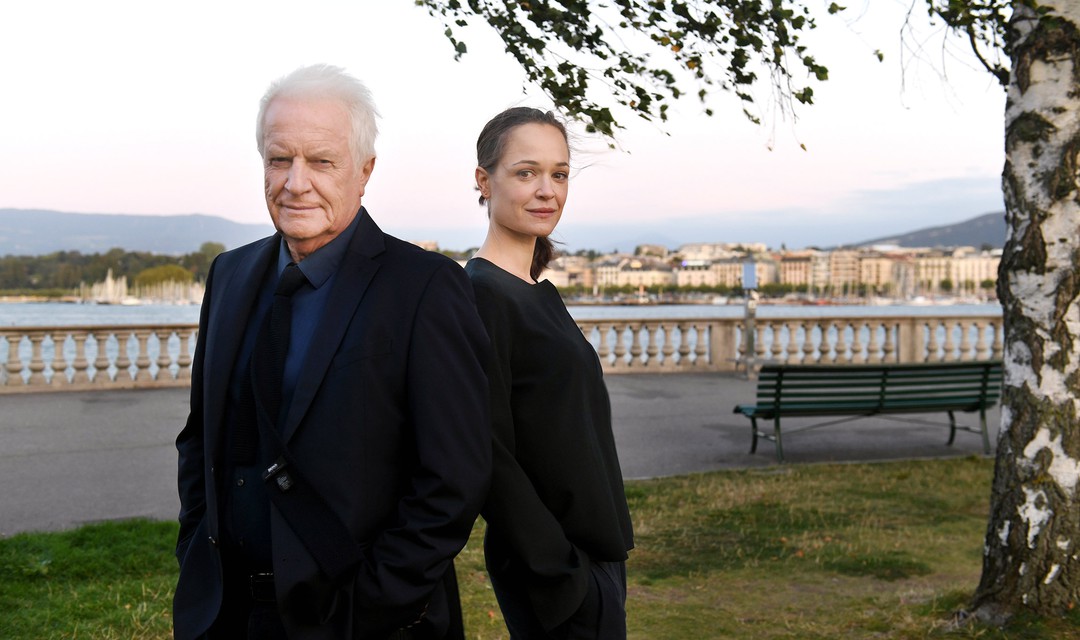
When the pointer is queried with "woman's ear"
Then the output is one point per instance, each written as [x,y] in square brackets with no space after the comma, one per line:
[483,183]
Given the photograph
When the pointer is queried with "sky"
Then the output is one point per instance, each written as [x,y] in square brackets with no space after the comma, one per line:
[148,108]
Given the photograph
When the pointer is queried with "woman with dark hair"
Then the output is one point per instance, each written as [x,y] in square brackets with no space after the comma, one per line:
[558,524]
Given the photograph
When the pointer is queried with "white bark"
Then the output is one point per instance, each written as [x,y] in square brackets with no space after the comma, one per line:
[1029,557]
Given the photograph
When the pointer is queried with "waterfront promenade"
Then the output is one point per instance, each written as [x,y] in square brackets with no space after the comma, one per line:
[72,458]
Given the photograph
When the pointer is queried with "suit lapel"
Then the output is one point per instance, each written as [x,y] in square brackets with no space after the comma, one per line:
[228,323]
[357,269]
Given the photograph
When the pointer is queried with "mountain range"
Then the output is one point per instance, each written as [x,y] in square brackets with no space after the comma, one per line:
[985,230]
[38,232]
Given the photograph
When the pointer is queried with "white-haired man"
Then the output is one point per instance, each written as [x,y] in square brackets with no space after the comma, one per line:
[337,450]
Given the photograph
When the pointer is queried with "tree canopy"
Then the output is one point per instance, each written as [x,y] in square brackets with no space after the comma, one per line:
[643,54]
[589,56]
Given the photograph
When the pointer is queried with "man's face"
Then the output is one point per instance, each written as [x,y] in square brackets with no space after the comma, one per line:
[312,179]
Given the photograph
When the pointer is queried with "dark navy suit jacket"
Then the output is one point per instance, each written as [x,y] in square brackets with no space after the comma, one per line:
[389,422]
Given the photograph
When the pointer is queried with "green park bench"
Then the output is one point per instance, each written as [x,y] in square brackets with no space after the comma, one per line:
[861,391]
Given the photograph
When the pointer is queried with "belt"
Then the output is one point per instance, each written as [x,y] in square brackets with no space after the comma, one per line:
[262,592]
[262,588]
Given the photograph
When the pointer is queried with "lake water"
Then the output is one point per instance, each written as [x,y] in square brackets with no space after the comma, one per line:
[63,314]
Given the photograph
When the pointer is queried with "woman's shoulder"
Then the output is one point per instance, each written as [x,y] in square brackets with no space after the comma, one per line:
[488,275]
[495,287]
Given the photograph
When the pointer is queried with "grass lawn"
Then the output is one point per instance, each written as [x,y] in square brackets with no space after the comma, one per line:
[886,550]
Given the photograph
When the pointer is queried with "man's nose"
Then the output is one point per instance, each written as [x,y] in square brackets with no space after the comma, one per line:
[299,178]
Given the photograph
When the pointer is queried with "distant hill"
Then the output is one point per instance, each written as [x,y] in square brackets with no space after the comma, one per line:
[38,232]
[988,229]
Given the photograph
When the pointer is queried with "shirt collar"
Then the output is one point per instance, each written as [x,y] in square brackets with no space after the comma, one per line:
[324,261]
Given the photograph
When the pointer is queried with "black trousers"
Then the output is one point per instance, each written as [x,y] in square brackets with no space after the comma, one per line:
[601,617]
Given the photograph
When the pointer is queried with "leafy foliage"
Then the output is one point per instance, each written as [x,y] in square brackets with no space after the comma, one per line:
[65,270]
[985,24]
[641,53]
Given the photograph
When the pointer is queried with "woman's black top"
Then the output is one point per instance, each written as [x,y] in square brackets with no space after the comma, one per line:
[557,495]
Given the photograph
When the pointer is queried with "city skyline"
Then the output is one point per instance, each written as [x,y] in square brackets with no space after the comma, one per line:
[114,113]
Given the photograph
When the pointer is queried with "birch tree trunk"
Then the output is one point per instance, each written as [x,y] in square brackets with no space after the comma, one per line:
[1032,551]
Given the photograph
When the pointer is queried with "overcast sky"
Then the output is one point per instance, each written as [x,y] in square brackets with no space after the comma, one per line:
[138,107]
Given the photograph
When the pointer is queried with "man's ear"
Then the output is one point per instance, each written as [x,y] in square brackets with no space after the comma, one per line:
[365,174]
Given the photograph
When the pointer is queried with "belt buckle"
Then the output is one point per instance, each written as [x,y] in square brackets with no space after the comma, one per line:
[262,588]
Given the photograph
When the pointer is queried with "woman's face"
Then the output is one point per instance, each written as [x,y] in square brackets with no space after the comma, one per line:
[526,189]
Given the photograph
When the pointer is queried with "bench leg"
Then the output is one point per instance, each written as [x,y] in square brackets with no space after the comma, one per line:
[776,434]
[985,433]
[754,432]
[952,428]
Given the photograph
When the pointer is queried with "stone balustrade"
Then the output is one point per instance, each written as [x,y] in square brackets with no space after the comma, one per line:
[96,357]
[655,346]
[140,356]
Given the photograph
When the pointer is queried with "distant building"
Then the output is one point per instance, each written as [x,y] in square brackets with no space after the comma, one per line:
[644,272]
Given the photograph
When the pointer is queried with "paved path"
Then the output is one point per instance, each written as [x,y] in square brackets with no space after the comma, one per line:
[69,458]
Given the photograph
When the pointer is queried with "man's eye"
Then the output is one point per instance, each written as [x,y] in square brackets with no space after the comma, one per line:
[279,162]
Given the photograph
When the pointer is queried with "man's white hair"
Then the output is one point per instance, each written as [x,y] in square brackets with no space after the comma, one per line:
[322,81]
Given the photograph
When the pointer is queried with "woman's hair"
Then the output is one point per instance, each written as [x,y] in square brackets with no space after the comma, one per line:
[489,149]
[327,81]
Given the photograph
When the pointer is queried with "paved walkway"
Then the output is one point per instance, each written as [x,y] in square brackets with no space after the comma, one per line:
[69,458]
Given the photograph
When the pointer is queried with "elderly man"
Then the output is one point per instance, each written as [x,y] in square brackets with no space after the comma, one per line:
[337,450]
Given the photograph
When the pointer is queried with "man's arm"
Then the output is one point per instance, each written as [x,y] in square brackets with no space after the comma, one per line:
[191,481]
[447,405]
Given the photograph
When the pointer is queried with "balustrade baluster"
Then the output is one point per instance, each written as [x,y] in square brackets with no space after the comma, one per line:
[164,360]
[841,347]
[669,344]
[999,340]
[891,336]
[856,342]
[604,349]
[14,364]
[620,346]
[123,360]
[873,345]
[183,360]
[37,363]
[759,342]
[700,345]
[635,345]
[965,341]
[59,364]
[776,347]
[792,343]
[101,361]
[80,365]
[651,348]
[982,347]
[142,360]
[950,342]
[932,343]
[684,344]
[808,347]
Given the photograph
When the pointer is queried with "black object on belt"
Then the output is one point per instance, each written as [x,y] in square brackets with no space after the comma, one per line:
[262,588]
